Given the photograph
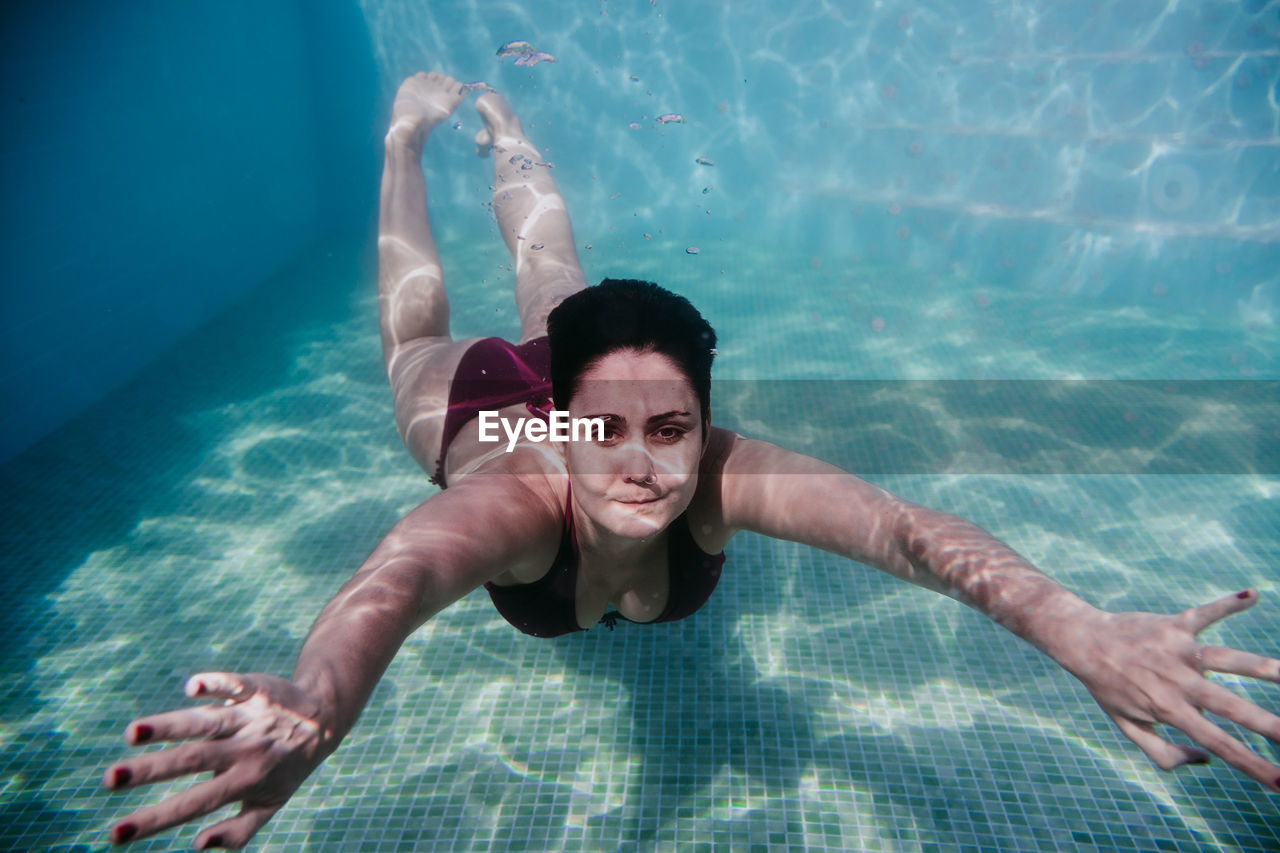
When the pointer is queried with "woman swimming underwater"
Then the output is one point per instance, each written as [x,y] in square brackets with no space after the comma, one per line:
[630,523]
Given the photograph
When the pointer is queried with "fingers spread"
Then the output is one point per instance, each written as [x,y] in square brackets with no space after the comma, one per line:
[1221,701]
[235,832]
[1220,659]
[1199,618]
[198,800]
[1165,755]
[1230,750]
[207,721]
[201,757]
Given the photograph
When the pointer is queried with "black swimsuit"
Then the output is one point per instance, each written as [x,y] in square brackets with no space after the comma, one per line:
[548,606]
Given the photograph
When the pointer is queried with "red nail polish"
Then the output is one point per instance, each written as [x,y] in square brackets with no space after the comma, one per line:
[1244,594]
[214,841]
[143,733]
[121,777]
[124,832]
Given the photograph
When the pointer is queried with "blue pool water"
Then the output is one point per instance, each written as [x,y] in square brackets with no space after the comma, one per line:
[968,191]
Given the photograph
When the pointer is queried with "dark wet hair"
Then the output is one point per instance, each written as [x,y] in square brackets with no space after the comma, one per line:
[628,314]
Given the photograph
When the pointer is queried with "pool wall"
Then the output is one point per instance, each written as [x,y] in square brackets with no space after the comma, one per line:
[161,161]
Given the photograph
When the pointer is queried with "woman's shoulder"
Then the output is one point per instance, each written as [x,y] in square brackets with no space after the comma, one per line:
[516,503]
[730,453]
[720,443]
[527,474]
[725,449]
[706,514]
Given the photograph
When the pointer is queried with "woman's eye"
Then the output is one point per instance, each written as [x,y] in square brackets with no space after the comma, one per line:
[670,433]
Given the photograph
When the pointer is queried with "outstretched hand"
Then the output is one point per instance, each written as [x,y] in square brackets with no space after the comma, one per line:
[1145,669]
[260,744]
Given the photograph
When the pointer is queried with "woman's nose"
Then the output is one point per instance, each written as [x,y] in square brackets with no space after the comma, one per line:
[638,467]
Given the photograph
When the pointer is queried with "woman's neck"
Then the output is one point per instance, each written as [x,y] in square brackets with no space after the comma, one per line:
[612,561]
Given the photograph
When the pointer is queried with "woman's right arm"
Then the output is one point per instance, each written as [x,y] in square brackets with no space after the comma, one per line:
[268,734]
[433,557]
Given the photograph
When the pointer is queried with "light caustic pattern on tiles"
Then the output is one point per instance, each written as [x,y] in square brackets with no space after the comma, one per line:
[1108,148]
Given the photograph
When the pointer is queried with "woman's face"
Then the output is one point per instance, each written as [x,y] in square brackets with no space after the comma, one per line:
[644,474]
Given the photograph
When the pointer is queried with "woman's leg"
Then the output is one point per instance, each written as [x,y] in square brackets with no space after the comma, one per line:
[531,216]
[413,311]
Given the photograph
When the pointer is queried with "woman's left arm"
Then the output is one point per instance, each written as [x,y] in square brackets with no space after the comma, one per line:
[1144,669]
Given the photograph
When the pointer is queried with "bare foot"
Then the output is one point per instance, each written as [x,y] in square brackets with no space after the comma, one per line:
[424,100]
[500,123]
